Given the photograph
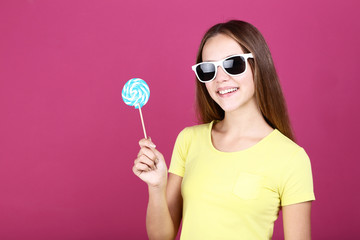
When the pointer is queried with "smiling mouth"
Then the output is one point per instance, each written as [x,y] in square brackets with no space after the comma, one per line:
[221,92]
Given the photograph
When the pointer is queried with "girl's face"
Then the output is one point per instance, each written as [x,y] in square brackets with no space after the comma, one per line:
[230,92]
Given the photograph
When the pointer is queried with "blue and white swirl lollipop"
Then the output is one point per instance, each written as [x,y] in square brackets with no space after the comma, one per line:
[136,93]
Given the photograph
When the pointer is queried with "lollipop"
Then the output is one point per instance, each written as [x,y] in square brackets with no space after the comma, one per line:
[136,93]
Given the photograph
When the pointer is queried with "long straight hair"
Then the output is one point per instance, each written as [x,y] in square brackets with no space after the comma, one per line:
[268,93]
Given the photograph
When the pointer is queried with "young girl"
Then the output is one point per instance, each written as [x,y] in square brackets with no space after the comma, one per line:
[230,176]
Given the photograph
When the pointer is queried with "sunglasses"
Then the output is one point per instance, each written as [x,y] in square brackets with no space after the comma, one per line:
[234,65]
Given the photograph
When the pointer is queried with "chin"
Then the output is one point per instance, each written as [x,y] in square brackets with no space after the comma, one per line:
[229,108]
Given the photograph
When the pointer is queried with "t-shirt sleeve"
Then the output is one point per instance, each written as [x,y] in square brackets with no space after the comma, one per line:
[178,158]
[297,182]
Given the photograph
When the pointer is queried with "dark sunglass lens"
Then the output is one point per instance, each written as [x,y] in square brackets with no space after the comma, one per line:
[205,71]
[235,65]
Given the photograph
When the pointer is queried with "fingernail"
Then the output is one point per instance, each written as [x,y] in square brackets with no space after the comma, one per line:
[151,144]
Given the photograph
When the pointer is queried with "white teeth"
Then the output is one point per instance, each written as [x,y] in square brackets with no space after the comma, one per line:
[228,90]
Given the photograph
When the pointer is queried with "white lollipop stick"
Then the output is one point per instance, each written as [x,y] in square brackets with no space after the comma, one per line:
[142,120]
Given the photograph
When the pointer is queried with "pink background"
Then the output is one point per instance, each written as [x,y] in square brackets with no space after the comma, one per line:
[67,140]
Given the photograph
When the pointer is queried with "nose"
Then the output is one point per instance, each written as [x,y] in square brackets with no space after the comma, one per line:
[221,75]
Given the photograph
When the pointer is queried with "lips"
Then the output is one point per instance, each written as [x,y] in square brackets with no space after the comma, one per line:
[227,90]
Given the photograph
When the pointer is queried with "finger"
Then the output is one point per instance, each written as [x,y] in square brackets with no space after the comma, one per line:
[145,160]
[140,167]
[146,142]
[137,172]
[147,152]
[158,155]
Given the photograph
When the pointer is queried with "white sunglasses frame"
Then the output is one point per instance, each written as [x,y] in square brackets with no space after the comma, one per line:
[246,56]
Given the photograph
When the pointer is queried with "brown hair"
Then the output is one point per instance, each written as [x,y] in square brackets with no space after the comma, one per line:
[268,91]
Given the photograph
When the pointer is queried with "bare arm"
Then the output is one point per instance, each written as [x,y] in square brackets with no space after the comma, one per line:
[165,210]
[165,202]
[296,220]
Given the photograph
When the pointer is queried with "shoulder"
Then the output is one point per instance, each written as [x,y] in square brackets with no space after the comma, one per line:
[283,150]
[193,134]
[188,139]
[195,130]
[281,142]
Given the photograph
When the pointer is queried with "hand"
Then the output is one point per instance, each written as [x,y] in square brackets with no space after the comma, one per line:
[150,165]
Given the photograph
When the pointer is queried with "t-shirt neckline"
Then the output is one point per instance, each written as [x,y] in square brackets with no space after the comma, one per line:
[256,145]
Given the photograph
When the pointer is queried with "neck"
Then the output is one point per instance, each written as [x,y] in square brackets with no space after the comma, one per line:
[245,122]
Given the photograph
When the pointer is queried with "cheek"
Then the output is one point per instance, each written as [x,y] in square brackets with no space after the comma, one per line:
[211,90]
[251,85]
[247,82]
[252,81]
[208,87]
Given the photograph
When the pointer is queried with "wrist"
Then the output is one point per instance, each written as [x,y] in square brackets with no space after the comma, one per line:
[156,189]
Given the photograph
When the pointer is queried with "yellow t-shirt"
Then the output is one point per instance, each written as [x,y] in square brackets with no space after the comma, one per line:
[237,195]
